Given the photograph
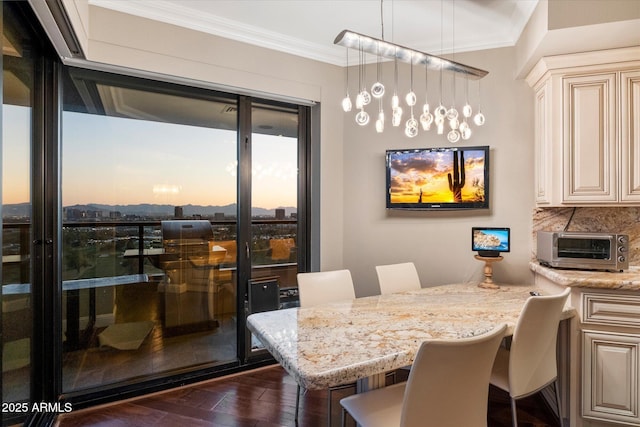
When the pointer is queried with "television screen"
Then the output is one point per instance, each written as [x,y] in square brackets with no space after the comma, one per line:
[438,178]
[490,241]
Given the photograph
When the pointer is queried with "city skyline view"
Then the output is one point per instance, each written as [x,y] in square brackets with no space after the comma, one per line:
[120,161]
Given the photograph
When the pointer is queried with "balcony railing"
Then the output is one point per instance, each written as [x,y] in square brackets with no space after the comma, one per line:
[128,246]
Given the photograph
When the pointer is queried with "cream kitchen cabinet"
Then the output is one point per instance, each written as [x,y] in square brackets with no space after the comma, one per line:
[587,132]
[600,377]
[611,357]
[610,377]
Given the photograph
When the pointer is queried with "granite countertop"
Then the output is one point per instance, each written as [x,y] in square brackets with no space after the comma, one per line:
[338,343]
[628,280]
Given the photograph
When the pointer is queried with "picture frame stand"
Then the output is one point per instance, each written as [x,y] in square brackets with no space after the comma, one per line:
[488,282]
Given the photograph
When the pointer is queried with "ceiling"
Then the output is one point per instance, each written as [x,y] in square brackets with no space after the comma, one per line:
[308,28]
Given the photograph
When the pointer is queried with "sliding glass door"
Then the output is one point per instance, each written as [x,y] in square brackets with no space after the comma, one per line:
[136,217]
[149,208]
[18,65]
[274,231]
[154,254]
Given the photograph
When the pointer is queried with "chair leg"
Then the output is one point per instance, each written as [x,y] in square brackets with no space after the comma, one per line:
[344,417]
[514,417]
[329,408]
[297,403]
[557,390]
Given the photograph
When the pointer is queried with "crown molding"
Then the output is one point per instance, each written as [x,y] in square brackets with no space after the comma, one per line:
[171,14]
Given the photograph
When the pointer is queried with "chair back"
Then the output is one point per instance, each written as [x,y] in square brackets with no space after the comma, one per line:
[398,277]
[231,247]
[281,249]
[532,358]
[324,287]
[456,392]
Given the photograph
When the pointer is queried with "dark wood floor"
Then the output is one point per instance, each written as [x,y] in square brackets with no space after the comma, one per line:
[262,398]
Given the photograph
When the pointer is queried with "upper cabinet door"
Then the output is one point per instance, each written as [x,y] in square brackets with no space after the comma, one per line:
[630,135]
[587,128]
[590,154]
[543,145]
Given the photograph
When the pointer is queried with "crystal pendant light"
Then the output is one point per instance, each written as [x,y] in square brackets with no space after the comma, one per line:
[467,111]
[410,130]
[362,118]
[377,90]
[380,119]
[439,120]
[395,101]
[453,136]
[452,122]
[452,114]
[441,111]
[411,126]
[439,116]
[426,118]
[396,117]
[365,97]
[478,119]
[465,130]
[411,99]
[396,110]
[346,101]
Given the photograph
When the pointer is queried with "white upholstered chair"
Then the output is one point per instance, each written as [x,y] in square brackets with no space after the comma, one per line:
[530,364]
[398,277]
[324,287]
[448,387]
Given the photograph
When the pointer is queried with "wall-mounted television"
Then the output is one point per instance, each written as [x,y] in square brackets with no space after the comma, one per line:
[490,241]
[438,178]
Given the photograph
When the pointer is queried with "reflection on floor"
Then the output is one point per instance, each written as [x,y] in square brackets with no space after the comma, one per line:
[264,397]
[161,350]
[97,366]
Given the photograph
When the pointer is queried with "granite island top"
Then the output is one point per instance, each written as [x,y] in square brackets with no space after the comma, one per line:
[628,280]
[338,343]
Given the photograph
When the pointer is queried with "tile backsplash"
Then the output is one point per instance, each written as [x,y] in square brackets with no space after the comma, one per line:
[623,220]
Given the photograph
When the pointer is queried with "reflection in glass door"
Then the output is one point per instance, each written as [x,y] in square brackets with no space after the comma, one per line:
[15,143]
[149,230]
[274,209]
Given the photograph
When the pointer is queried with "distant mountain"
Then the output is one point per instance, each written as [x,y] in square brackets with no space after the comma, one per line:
[146,209]
[19,210]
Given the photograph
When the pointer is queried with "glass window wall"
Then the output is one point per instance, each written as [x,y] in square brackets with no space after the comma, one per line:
[149,230]
[15,143]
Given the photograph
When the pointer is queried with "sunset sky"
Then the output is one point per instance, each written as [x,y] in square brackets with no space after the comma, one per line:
[125,161]
[427,171]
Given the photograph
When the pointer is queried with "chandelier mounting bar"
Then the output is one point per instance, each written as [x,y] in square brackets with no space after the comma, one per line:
[374,46]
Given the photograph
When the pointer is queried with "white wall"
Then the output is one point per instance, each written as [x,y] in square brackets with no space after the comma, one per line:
[439,243]
[569,26]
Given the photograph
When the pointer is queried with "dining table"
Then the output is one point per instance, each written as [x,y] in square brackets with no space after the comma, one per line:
[360,340]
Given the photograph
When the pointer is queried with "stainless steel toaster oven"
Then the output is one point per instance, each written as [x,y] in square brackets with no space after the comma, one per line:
[583,250]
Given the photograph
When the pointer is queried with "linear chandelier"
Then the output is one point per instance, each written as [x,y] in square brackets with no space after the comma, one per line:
[458,127]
